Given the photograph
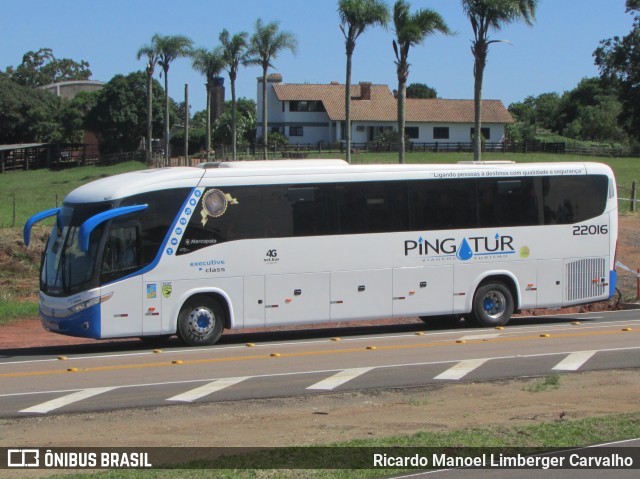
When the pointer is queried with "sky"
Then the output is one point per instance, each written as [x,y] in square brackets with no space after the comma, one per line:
[553,55]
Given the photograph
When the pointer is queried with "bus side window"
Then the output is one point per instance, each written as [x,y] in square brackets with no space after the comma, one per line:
[121,253]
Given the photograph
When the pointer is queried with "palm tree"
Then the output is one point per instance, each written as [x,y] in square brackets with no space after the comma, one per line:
[149,51]
[266,43]
[234,52]
[168,48]
[355,17]
[411,29]
[484,16]
[210,64]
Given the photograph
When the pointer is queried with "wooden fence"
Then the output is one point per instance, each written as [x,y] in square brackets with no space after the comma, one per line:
[56,156]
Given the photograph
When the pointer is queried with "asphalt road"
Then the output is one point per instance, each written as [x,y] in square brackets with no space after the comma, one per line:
[111,376]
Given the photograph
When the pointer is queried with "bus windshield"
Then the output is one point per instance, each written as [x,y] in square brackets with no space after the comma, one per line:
[65,268]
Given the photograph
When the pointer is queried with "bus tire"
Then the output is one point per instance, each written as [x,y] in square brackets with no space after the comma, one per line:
[201,321]
[493,305]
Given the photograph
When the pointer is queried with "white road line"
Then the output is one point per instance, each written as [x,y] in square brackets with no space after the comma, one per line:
[48,406]
[574,361]
[461,369]
[207,389]
[339,379]
[480,336]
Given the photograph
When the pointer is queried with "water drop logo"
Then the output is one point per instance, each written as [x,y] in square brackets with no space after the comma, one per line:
[464,252]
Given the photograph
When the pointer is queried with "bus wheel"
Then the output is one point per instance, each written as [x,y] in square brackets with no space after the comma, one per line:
[492,305]
[201,321]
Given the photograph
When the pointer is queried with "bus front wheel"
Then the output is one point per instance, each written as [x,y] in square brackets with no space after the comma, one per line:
[492,305]
[201,321]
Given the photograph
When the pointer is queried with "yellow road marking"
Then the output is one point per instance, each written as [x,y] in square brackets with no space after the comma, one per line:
[187,362]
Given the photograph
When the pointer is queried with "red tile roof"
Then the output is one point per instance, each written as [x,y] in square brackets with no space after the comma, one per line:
[383,105]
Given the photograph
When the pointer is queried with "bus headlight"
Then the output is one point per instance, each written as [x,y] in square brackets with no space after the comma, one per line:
[76,308]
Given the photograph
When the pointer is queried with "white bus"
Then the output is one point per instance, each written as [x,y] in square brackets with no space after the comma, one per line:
[192,251]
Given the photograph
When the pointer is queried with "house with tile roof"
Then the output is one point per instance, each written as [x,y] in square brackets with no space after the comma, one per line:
[312,113]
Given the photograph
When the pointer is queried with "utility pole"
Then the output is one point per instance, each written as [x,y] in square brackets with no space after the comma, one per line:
[186,124]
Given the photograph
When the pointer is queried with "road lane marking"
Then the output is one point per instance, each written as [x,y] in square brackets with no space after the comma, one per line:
[574,361]
[339,379]
[48,406]
[480,336]
[432,344]
[207,389]
[461,369]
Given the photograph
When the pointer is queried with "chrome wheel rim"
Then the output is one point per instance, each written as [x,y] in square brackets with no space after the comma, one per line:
[201,321]
[494,304]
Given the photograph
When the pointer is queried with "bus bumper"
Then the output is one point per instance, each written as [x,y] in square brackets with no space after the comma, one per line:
[85,324]
[613,282]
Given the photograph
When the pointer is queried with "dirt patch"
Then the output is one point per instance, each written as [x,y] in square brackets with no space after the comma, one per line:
[320,419]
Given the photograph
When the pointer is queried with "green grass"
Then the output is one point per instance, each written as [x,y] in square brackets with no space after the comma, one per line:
[558,434]
[11,311]
[39,190]
[540,385]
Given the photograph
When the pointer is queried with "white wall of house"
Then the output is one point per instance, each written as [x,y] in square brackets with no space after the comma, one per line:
[313,127]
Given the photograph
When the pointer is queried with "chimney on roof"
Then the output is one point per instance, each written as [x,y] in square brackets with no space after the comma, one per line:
[365,90]
[272,78]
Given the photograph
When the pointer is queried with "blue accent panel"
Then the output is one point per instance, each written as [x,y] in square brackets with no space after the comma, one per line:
[89,225]
[85,324]
[613,282]
[33,220]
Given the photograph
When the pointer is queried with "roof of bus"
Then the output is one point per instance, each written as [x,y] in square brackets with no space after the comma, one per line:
[304,171]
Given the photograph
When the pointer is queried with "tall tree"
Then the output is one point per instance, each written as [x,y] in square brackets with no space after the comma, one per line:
[118,116]
[42,68]
[411,29]
[355,17]
[149,52]
[210,64]
[235,52]
[487,15]
[618,60]
[168,48]
[265,45]
[420,90]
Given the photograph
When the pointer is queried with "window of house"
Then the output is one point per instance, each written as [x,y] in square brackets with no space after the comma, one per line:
[413,132]
[486,133]
[440,132]
[296,131]
[306,105]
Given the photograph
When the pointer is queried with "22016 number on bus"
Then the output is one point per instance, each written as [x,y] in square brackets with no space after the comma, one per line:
[585,230]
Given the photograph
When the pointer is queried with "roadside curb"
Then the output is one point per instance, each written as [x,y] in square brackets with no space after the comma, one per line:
[627,306]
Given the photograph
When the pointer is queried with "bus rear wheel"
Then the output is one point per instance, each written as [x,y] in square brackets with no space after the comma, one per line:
[201,321]
[492,305]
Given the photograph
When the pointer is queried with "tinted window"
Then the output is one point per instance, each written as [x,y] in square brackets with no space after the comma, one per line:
[121,252]
[275,211]
[572,199]
[373,207]
[442,204]
[156,220]
[507,202]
